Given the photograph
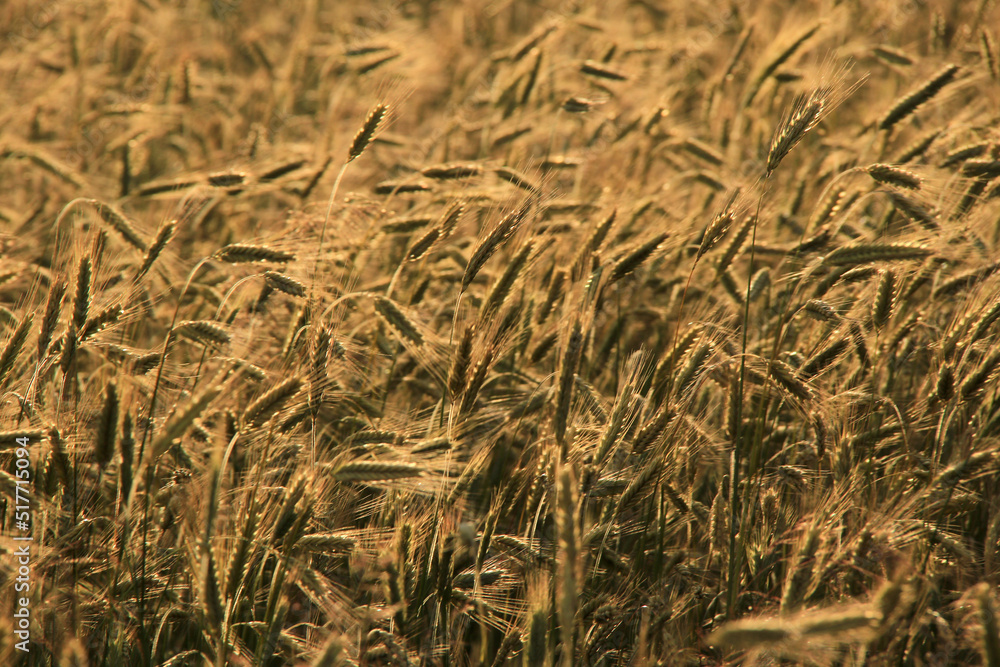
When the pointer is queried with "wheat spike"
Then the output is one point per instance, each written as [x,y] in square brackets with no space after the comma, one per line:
[488,246]
[636,258]
[823,359]
[367,131]
[107,429]
[570,361]
[515,177]
[885,298]
[51,318]
[504,285]
[865,253]
[772,65]
[398,321]
[101,320]
[801,572]
[271,402]
[163,236]
[203,331]
[908,104]
[789,133]
[238,253]
[13,347]
[117,220]
[283,283]
[374,471]
[81,300]
[181,421]
[602,71]
[457,378]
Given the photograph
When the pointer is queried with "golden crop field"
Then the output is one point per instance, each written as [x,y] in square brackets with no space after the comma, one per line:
[439,333]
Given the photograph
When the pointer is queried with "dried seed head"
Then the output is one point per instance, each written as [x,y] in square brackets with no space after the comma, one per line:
[238,253]
[458,379]
[398,321]
[374,471]
[367,131]
[271,402]
[602,71]
[56,293]
[283,283]
[203,331]
[791,132]
[887,173]
[488,246]
[81,301]
[907,105]
[865,253]
[163,236]
[515,177]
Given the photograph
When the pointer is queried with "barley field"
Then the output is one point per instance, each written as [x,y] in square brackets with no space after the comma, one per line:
[439,333]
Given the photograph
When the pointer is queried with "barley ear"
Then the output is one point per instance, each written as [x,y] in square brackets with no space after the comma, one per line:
[12,349]
[570,361]
[367,131]
[107,430]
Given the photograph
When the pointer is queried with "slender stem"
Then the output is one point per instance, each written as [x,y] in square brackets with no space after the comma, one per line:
[326,220]
[734,476]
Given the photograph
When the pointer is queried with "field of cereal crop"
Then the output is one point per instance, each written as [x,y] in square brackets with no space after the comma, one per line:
[442,333]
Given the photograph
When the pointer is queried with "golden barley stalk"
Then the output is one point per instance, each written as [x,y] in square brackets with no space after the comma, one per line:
[260,410]
[107,429]
[126,448]
[283,283]
[117,220]
[203,331]
[515,177]
[237,253]
[704,151]
[919,147]
[602,71]
[106,317]
[477,380]
[367,131]
[51,318]
[458,377]
[801,571]
[892,175]
[823,358]
[504,285]
[163,236]
[636,258]
[790,132]
[373,471]
[182,420]
[885,298]
[398,321]
[488,246]
[12,349]
[772,65]
[567,560]
[81,300]
[864,253]
[786,377]
[908,104]
[571,359]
